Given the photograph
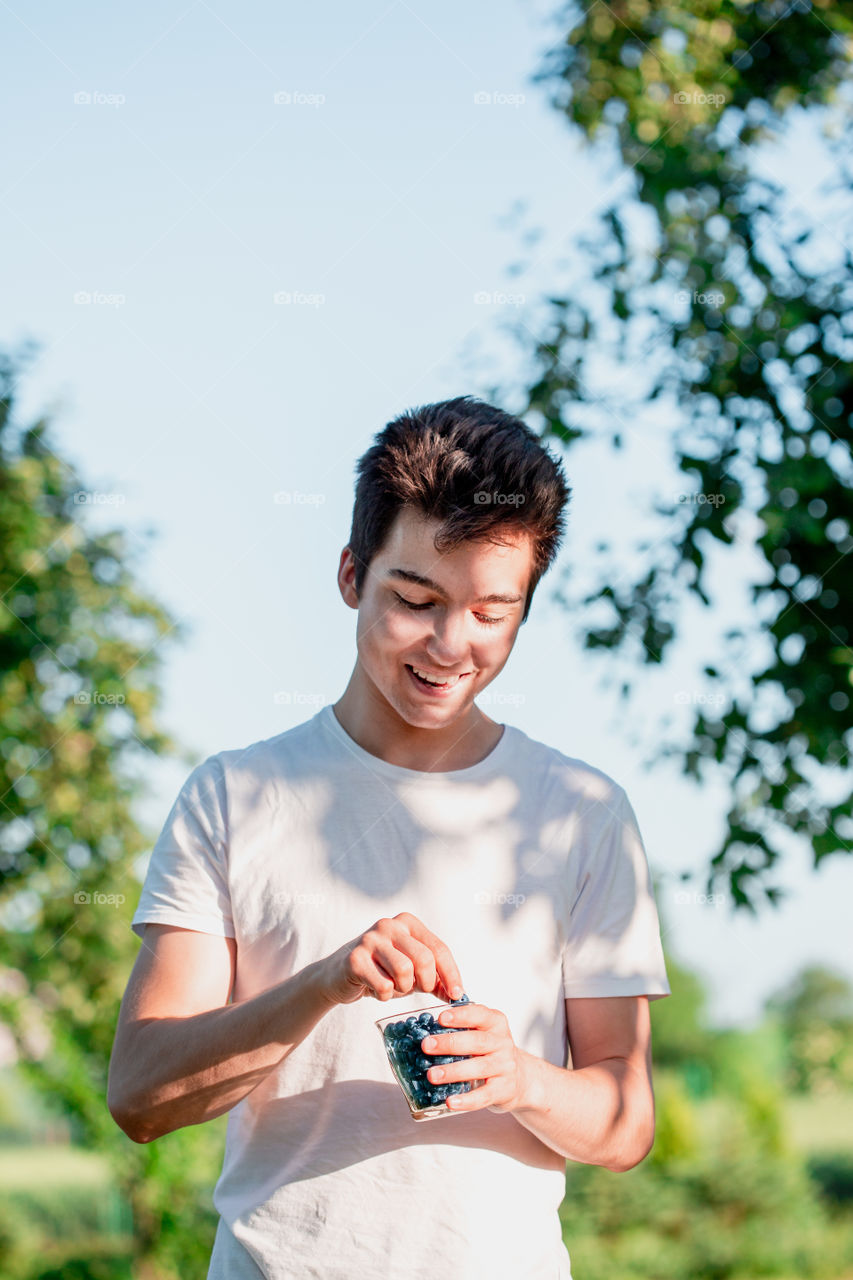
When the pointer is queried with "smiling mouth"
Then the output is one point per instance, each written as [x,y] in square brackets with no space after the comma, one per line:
[429,680]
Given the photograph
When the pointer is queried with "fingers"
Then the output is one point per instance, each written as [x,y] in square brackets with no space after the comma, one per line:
[392,963]
[365,969]
[399,955]
[408,962]
[446,966]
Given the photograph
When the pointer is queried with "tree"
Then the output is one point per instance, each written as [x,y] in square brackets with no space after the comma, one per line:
[80,653]
[737,318]
[815,1012]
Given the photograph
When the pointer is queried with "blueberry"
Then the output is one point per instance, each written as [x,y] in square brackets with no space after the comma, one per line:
[403,1041]
[463,999]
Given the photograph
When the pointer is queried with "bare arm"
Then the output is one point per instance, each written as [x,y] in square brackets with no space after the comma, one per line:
[601,1111]
[182,1055]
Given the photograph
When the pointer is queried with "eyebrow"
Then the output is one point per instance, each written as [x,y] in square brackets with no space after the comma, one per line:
[408,575]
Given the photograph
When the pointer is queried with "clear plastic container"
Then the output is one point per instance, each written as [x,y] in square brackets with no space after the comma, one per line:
[418,1089]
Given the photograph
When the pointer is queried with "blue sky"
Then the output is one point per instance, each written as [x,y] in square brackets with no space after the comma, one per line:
[290,225]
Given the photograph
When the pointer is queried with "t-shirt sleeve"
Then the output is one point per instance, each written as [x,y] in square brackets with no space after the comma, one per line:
[613,947]
[186,883]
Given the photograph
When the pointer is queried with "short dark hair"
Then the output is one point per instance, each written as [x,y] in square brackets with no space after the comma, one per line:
[439,459]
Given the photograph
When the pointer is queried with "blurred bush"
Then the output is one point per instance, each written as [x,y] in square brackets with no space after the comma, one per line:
[814,1014]
[729,1209]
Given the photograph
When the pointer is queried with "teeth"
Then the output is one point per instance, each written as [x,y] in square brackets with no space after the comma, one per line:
[433,680]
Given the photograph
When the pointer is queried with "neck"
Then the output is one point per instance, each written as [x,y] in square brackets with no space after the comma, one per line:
[377,727]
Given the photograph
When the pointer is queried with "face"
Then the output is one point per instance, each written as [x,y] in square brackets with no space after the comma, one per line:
[422,612]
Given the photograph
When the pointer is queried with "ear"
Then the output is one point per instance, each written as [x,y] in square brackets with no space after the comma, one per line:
[346,578]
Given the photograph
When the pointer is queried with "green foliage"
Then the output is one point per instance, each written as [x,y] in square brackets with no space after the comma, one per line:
[834,1175]
[738,1057]
[731,1210]
[676,1131]
[80,654]
[815,1015]
[679,1031]
[707,1059]
[714,295]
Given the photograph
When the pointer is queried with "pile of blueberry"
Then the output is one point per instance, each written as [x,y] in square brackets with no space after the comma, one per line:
[403,1042]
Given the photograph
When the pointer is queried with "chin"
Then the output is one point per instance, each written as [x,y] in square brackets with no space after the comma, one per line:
[431,715]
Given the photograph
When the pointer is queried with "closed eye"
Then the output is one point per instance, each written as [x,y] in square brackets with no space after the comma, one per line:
[485,619]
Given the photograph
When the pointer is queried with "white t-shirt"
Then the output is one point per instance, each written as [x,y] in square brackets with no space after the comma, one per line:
[529,865]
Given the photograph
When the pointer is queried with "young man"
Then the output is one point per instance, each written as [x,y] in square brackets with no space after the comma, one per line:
[392,850]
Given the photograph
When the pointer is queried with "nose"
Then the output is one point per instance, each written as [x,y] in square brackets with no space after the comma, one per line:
[447,646]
